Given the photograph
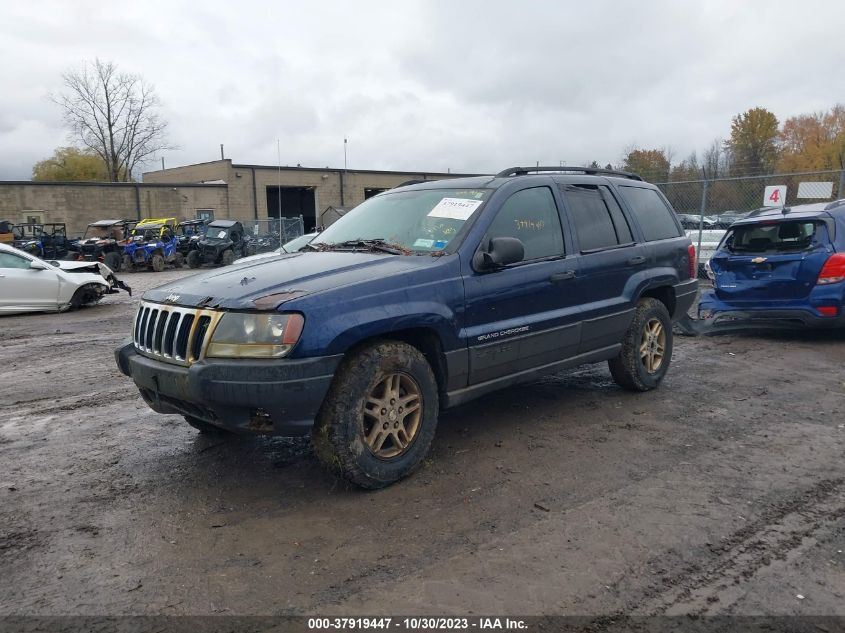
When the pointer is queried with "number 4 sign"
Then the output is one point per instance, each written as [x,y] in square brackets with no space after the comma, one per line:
[774,196]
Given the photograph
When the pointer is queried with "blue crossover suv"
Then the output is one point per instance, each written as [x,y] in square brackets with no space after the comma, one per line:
[422,298]
[780,267]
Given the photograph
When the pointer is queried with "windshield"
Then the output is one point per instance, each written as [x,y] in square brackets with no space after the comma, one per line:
[296,243]
[423,220]
[104,232]
[776,237]
[215,233]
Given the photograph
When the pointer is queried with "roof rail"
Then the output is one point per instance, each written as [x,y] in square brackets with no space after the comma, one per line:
[590,171]
[835,204]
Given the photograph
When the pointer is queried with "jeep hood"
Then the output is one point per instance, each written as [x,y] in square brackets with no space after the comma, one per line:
[269,282]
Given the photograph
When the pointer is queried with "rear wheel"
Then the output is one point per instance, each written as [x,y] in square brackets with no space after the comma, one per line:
[646,348]
[205,428]
[379,417]
[127,263]
[157,263]
[178,260]
[194,260]
[228,257]
[113,261]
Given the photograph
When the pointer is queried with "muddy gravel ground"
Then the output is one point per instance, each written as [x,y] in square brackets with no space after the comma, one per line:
[723,492]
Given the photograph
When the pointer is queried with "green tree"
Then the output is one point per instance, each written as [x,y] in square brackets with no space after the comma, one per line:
[754,142]
[71,164]
[651,164]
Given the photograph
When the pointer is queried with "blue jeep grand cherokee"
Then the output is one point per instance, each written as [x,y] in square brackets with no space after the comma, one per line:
[780,268]
[422,298]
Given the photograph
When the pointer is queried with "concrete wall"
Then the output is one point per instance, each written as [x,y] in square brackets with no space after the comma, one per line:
[77,204]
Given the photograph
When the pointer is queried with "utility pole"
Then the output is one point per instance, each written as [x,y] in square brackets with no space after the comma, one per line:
[162,163]
[344,154]
[221,151]
[279,153]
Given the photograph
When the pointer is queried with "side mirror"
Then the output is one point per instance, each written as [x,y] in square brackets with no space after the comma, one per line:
[500,251]
[34,265]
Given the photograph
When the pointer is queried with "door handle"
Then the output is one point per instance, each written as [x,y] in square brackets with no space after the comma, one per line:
[563,276]
[636,261]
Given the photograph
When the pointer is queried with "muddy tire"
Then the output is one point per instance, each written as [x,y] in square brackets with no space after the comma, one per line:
[228,257]
[128,264]
[157,263]
[178,260]
[194,259]
[646,348]
[205,428]
[72,256]
[378,420]
[113,261]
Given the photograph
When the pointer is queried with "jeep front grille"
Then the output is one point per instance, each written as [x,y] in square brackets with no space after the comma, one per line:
[171,333]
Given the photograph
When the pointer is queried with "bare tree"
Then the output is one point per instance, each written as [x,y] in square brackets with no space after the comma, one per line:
[113,114]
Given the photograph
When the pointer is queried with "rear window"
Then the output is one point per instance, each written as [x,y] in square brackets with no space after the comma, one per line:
[655,218]
[778,237]
[598,219]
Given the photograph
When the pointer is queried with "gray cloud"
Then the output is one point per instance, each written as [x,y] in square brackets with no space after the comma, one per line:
[470,86]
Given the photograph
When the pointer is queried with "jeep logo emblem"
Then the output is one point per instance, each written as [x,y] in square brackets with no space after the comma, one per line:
[172,298]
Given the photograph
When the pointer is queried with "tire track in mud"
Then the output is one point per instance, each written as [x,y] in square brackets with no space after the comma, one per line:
[704,589]
[93,400]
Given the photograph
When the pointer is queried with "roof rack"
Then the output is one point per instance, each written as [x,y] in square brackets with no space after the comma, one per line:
[590,171]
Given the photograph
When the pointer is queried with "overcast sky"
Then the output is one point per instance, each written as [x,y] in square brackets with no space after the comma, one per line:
[416,85]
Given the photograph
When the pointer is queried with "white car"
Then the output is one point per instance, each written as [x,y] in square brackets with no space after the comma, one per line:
[289,247]
[710,239]
[29,284]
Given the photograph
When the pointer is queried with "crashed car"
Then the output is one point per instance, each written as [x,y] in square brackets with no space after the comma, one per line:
[30,284]
[779,267]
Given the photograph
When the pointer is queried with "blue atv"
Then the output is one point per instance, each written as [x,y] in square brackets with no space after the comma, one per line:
[152,246]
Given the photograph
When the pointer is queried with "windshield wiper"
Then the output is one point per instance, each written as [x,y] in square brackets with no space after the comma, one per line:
[375,244]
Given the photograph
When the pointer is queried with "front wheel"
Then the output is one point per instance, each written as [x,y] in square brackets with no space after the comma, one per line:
[194,259]
[127,263]
[228,257]
[178,260]
[378,420]
[157,263]
[646,348]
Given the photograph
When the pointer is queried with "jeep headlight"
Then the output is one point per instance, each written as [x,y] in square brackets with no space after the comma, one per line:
[262,335]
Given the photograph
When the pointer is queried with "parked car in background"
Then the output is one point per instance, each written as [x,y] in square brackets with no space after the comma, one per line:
[725,219]
[691,221]
[188,235]
[780,268]
[152,245]
[30,284]
[224,242]
[103,242]
[705,249]
[292,246]
[421,298]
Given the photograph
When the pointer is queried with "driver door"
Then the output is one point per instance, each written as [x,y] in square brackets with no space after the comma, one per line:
[526,314]
[24,287]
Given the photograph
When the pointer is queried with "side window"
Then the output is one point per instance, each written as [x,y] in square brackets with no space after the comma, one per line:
[9,260]
[656,219]
[531,216]
[599,221]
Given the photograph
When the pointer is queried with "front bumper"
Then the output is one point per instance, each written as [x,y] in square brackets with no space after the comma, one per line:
[715,314]
[280,397]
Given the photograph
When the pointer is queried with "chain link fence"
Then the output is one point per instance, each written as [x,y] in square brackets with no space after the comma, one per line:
[706,208]
[270,234]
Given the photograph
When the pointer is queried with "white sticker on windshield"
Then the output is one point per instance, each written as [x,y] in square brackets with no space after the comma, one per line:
[422,243]
[454,208]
